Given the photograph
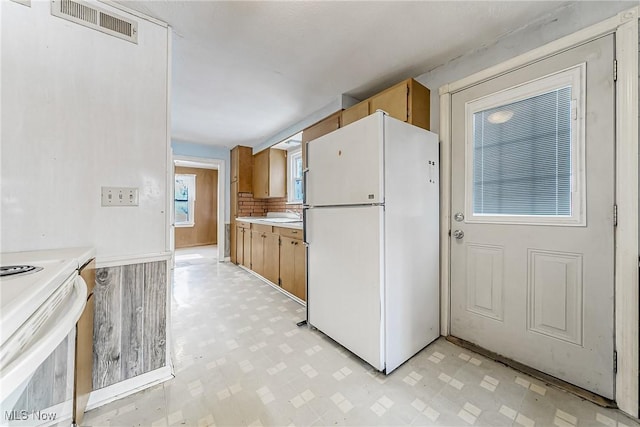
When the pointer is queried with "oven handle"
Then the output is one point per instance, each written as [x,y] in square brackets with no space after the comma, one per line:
[48,338]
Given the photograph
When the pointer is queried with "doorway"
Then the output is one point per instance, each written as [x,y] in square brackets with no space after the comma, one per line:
[532,197]
[203,164]
[196,207]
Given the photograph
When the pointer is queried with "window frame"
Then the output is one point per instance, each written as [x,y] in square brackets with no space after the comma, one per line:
[191,199]
[574,77]
[292,155]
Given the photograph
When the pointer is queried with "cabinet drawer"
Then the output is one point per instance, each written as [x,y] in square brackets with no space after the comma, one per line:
[262,228]
[289,232]
[243,224]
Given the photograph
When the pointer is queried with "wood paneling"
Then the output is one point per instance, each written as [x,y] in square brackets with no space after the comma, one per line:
[48,386]
[132,299]
[106,327]
[155,315]
[205,230]
[130,322]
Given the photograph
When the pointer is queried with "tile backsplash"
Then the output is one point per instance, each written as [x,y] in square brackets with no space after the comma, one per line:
[248,206]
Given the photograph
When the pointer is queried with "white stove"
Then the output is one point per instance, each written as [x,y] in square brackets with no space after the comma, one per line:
[39,308]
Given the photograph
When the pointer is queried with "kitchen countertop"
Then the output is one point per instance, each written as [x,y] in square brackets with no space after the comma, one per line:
[273,221]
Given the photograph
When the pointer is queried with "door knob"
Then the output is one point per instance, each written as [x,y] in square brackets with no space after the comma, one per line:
[458,234]
[459,216]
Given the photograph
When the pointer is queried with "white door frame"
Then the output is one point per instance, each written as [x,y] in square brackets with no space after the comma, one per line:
[218,164]
[625,26]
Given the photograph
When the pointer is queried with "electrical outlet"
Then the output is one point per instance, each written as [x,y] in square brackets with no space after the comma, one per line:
[119,196]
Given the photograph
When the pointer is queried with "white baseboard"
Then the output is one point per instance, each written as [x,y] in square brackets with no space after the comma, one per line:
[128,387]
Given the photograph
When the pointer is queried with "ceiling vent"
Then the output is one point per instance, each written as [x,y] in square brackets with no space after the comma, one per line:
[96,18]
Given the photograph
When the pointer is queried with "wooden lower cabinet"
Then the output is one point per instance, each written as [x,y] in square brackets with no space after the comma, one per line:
[243,244]
[257,252]
[292,267]
[276,253]
[271,257]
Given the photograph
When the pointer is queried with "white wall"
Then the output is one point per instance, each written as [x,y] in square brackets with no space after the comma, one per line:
[81,110]
[565,21]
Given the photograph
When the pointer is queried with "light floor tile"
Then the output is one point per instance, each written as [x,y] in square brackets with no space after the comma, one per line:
[241,360]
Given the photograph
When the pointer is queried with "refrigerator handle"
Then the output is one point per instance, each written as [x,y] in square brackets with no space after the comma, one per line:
[305,171]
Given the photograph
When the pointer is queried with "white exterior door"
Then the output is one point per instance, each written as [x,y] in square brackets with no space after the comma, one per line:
[532,245]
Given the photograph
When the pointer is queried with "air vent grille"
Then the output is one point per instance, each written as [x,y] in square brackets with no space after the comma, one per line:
[115,24]
[79,11]
[94,17]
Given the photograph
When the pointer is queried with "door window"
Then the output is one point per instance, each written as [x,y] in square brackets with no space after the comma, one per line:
[525,153]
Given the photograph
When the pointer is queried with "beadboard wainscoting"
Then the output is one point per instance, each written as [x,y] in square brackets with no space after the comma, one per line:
[130,322]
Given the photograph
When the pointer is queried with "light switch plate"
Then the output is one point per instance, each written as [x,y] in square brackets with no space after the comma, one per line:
[119,196]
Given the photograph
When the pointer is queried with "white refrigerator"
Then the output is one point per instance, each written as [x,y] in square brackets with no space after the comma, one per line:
[371,227]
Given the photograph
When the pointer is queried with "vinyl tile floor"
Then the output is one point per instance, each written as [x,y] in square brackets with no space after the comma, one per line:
[240,360]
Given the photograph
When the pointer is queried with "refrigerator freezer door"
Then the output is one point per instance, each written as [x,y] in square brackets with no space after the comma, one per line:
[345,269]
[346,166]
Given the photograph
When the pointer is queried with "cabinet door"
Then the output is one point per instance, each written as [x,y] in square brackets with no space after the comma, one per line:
[393,101]
[323,127]
[354,113]
[241,168]
[233,247]
[257,252]
[277,173]
[419,105]
[271,257]
[239,245]
[300,275]
[261,175]
[287,265]
[246,247]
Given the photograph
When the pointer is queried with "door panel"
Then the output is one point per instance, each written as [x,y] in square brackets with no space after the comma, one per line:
[344,274]
[351,155]
[540,290]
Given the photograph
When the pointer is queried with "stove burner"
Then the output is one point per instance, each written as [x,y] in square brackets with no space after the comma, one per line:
[12,270]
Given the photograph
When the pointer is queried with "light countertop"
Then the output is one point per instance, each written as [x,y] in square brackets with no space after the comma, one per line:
[21,295]
[273,221]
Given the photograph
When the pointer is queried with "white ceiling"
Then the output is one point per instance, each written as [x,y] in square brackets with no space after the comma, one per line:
[244,71]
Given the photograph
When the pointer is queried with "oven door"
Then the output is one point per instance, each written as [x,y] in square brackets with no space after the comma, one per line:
[37,361]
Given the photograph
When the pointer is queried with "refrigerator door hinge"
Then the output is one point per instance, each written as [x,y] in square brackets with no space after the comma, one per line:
[615,362]
[449,233]
[615,70]
[615,215]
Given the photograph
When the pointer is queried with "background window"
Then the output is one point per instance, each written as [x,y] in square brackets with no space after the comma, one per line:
[185,197]
[296,190]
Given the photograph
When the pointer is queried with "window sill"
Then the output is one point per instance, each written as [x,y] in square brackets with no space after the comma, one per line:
[184,225]
[299,202]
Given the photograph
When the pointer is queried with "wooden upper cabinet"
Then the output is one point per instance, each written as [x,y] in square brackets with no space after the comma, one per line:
[408,101]
[354,113]
[323,127]
[241,170]
[270,174]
